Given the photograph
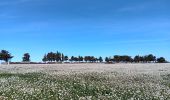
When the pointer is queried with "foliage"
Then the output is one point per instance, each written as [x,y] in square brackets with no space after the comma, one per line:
[161,60]
[26,57]
[52,57]
[5,55]
[60,57]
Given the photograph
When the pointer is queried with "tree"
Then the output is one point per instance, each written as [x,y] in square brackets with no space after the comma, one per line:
[92,59]
[137,59]
[86,58]
[72,58]
[141,58]
[1,58]
[50,56]
[65,58]
[76,59]
[149,58]
[5,55]
[45,58]
[100,59]
[26,57]
[54,57]
[107,59]
[59,56]
[161,60]
[80,58]
[117,58]
[126,59]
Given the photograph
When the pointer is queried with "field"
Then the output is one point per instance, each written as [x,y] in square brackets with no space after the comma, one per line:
[85,82]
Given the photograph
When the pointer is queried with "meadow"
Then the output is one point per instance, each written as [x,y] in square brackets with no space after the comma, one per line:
[85,82]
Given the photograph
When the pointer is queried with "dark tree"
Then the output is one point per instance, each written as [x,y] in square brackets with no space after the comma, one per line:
[5,55]
[107,60]
[117,58]
[91,59]
[137,59]
[58,56]
[72,58]
[80,59]
[141,58]
[26,57]
[50,56]
[149,58]
[161,60]
[100,59]
[45,58]
[55,57]
[76,59]
[65,58]
[86,58]
[126,59]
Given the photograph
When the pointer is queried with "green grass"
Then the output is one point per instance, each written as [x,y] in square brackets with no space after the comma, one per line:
[94,86]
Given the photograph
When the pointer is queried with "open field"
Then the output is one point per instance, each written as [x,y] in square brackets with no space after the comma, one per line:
[85,82]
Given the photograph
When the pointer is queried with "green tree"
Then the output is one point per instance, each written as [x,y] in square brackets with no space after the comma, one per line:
[80,58]
[117,58]
[6,56]
[137,59]
[151,58]
[72,58]
[65,58]
[58,56]
[50,56]
[45,58]
[86,58]
[161,60]
[107,60]
[100,59]
[126,59]
[26,57]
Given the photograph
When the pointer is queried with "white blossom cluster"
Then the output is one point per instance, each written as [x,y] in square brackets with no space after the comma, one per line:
[114,82]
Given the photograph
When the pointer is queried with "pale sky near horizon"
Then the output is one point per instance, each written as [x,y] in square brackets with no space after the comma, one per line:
[85,27]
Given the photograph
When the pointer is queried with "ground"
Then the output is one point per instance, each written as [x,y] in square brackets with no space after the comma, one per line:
[85,82]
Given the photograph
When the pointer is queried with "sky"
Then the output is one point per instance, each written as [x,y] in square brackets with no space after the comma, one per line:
[85,27]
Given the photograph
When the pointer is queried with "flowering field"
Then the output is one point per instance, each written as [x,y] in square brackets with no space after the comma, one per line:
[85,82]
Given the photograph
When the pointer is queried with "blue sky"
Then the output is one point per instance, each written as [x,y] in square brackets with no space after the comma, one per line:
[85,27]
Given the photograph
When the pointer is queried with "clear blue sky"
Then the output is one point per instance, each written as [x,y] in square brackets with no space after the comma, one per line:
[85,27]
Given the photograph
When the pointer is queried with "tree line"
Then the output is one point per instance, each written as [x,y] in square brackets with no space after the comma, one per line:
[137,59]
[58,57]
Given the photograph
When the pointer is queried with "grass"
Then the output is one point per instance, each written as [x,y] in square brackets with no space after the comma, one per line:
[92,86]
